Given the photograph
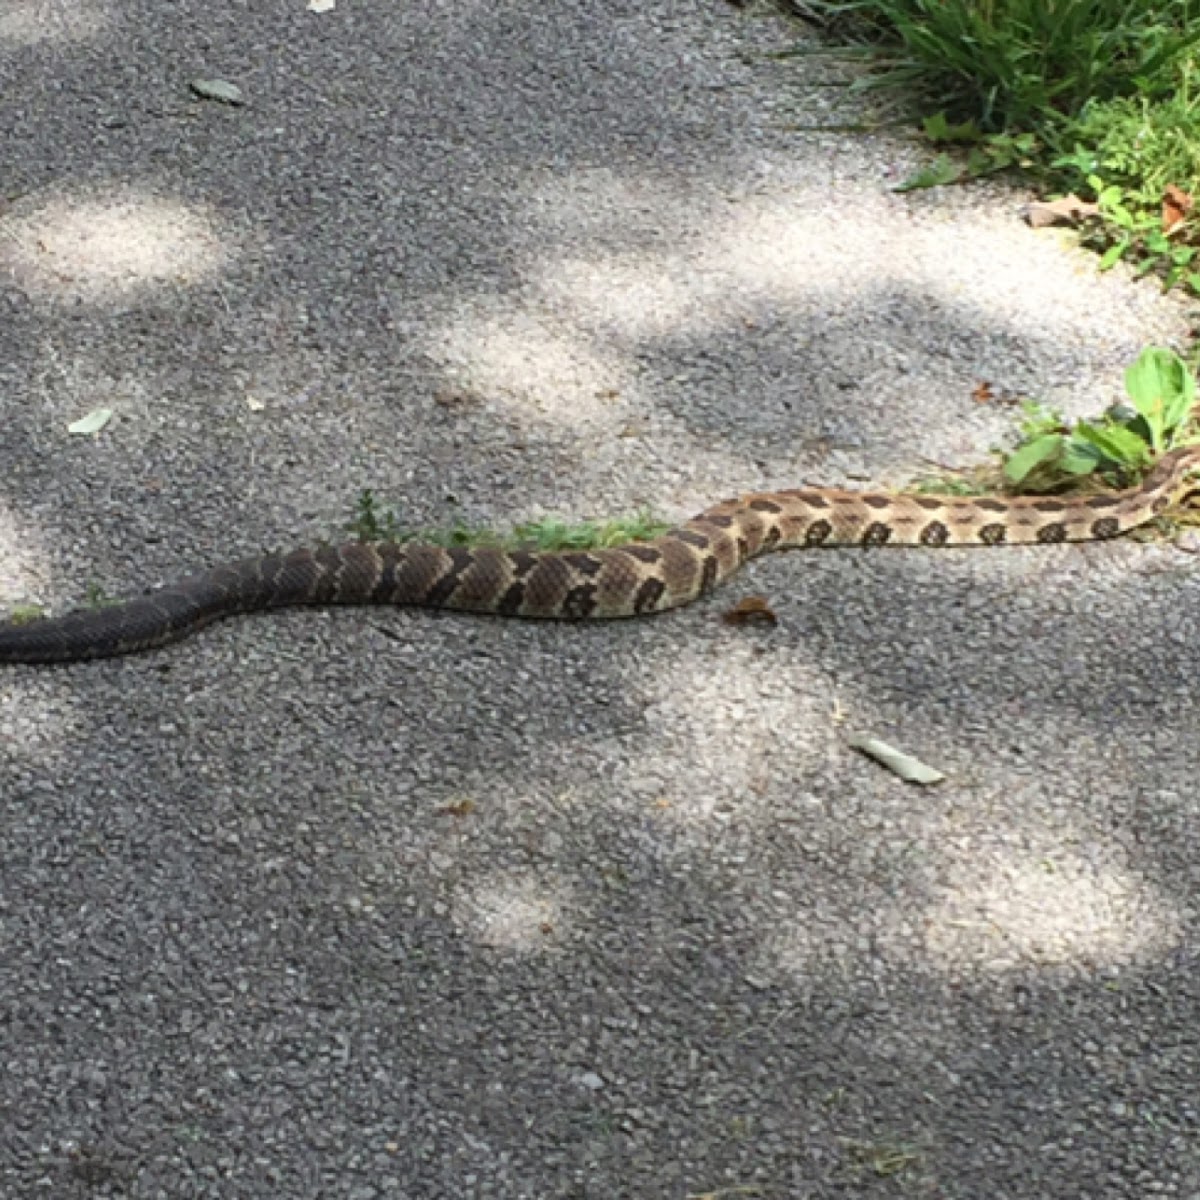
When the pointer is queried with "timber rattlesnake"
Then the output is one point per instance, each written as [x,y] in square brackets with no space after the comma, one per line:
[622,581]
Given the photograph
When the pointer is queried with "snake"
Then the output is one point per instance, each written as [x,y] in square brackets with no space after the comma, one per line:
[633,579]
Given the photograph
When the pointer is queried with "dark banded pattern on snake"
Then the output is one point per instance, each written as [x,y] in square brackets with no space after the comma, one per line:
[623,581]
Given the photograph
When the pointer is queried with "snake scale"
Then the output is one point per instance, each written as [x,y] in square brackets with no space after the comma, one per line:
[621,581]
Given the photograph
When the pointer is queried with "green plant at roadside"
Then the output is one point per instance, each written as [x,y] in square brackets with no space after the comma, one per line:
[1127,153]
[1095,97]
[985,153]
[1020,65]
[1140,143]
[1122,443]
[97,597]
[949,485]
[373,523]
[25,614]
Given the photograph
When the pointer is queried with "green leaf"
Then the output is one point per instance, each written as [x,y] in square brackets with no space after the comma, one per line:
[92,423]
[979,163]
[1038,419]
[939,130]
[941,171]
[1033,454]
[1114,254]
[1117,444]
[1084,161]
[1080,458]
[1162,389]
[936,127]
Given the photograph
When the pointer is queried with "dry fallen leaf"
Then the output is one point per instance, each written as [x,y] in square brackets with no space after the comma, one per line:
[93,422]
[983,393]
[459,808]
[220,90]
[911,770]
[455,397]
[750,610]
[1176,204]
[1069,210]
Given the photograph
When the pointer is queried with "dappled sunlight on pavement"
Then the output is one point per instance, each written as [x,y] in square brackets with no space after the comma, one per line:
[32,22]
[100,248]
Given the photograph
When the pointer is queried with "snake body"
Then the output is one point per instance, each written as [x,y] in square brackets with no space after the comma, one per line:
[630,580]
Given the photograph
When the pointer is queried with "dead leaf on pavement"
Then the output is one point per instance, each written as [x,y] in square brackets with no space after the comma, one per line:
[983,393]
[1176,205]
[1069,210]
[910,769]
[92,423]
[457,397]
[750,610]
[220,90]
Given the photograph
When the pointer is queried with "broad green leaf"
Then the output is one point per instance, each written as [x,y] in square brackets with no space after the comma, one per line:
[1162,390]
[941,171]
[938,129]
[1080,458]
[1117,444]
[1032,455]
[93,422]
[979,162]
[1113,255]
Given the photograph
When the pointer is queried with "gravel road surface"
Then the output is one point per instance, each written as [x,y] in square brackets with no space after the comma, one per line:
[390,905]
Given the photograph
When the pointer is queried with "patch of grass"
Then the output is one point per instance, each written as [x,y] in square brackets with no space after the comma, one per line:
[883,1158]
[957,484]
[1095,97]
[374,523]
[26,614]
[1139,159]
[554,534]
[97,597]
[1021,65]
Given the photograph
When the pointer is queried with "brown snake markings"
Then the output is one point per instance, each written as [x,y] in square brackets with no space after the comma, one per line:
[620,581]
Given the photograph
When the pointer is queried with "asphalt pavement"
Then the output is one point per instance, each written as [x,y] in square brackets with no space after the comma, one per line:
[389,904]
